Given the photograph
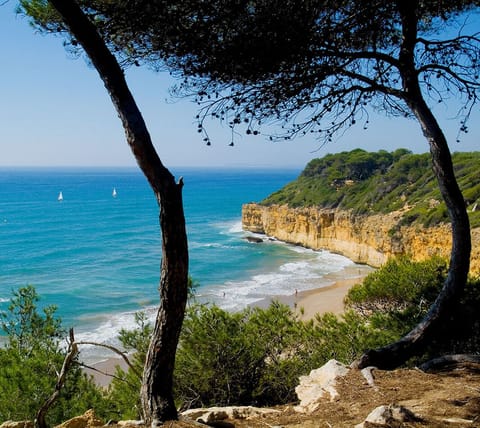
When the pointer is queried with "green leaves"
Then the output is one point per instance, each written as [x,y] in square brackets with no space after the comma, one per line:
[401,284]
[27,329]
[381,182]
[31,360]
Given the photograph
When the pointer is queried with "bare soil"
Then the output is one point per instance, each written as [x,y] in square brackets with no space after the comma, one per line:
[448,399]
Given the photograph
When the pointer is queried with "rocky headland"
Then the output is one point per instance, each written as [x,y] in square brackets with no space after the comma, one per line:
[370,207]
[367,239]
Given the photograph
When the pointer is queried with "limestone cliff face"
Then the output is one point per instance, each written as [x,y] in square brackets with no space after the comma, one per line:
[368,239]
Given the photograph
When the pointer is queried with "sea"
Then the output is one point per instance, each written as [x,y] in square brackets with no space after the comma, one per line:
[88,240]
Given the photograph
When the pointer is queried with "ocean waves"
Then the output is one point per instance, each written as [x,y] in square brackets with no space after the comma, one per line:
[287,270]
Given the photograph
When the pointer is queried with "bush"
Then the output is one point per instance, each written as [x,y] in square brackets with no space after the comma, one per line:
[30,361]
[255,357]
[237,358]
[124,392]
[399,285]
[396,297]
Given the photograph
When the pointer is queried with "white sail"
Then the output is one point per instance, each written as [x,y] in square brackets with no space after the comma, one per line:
[60,196]
[114,193]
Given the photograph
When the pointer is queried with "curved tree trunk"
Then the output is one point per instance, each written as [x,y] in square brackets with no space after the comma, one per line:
[413,343]
[157,396]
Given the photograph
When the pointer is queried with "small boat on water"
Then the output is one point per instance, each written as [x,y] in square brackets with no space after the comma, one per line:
[114,193]
[60,196]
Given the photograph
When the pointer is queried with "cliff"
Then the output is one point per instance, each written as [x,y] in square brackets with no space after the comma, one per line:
[368,239]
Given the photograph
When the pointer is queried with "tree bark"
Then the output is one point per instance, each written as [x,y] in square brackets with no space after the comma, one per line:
[157,395]
[413,343]
[69,359]
[452,362]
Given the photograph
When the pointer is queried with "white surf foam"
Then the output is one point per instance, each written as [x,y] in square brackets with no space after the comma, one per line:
[286,279]
[316,269]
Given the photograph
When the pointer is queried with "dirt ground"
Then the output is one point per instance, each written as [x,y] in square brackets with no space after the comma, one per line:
[448,399]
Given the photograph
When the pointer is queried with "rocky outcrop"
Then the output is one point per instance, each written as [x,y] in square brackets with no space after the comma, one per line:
[319,384]
[87,420]
[214,415]
[368,239]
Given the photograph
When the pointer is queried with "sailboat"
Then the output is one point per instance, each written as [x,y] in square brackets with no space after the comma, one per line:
[114,193]
[60,196]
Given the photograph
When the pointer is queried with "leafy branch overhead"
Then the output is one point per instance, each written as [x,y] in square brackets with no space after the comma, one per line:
[312,67]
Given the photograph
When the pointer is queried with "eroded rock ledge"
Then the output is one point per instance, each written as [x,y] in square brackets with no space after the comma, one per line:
[368,239]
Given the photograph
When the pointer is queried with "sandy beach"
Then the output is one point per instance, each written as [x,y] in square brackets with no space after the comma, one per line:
[328,296]
[325,299]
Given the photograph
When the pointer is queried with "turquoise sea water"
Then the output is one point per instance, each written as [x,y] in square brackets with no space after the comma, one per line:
[97,256]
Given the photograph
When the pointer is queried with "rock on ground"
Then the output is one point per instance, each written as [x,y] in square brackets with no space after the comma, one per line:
[318,384]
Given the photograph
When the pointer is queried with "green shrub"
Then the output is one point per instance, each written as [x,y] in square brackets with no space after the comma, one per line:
[124,391]
[399,285]
[257,355]
[396,297]
[30,361]
[222,356]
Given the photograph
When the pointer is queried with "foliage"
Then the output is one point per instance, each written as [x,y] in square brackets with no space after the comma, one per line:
[381,182]
[397,297]
[255,356]
[400,284]
[233,358]
[313,67]
[30,361]
[25,328]
[124,391]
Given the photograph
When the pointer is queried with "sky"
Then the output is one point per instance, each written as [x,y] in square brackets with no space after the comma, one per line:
[55,111]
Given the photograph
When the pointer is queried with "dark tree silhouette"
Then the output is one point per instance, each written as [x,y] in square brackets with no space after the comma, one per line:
[157,385]
[318,67]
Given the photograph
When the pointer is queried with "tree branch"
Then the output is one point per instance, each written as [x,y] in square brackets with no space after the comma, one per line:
[113,376]
[67,363]
[113,349]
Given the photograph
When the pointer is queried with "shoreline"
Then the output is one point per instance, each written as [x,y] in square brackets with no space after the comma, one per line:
[306,304]
[328,296]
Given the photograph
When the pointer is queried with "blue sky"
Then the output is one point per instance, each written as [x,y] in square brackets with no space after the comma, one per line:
[54,111]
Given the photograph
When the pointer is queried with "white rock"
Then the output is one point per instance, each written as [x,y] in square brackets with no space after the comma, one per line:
[130,423]
[384,416]
[318,384]
[17,424]
[213,414]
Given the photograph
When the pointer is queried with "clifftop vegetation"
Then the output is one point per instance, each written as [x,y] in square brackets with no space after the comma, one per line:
[381,182]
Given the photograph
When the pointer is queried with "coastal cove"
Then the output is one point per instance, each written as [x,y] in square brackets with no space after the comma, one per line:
[96,255]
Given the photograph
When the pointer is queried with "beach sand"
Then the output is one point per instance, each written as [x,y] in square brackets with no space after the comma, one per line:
[326,298]
[103,371]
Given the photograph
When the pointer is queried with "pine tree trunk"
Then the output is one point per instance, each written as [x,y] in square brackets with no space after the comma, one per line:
[157,394]
[413,343]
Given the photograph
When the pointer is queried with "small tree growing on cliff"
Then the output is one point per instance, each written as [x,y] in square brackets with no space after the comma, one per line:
[315,67]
